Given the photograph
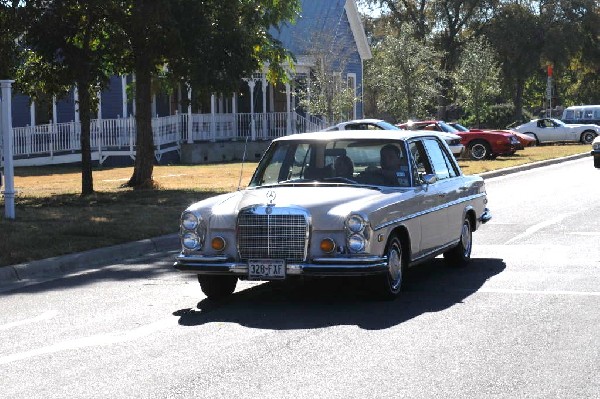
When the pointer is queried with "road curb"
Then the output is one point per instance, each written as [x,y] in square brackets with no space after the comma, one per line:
[532,165]
[59,265]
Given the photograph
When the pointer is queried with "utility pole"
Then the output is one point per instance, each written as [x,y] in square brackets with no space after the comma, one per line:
[549,92]
[7,139]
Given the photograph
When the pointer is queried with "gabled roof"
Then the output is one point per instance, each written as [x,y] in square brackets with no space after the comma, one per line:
[332,17]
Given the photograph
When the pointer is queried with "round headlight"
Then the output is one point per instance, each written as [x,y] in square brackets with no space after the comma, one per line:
[356,243]
[355,223]
[190,241]
[189,221]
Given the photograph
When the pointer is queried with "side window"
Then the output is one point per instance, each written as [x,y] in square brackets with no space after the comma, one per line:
[442,165]
[420,161]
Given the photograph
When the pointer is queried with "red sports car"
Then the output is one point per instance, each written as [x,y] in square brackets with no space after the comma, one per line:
[525,140]
[479,144]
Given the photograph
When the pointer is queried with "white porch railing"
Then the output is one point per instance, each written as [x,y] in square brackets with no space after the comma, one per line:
[110,137]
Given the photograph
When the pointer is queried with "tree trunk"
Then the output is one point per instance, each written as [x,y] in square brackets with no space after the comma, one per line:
[87,183]
[518,101]
[144,152]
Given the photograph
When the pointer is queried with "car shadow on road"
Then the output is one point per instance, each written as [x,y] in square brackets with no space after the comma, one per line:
[430,287]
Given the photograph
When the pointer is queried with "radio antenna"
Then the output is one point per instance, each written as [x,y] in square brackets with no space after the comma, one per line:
[243,161]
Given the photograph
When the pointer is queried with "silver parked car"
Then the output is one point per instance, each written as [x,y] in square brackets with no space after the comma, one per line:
[547,130]
[453,140]
[362,203]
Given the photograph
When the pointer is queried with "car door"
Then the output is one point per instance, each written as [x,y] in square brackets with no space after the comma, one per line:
[548,131]
[432,213]
[448,188]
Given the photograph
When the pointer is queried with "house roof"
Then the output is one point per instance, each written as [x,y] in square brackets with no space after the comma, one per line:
[331,17]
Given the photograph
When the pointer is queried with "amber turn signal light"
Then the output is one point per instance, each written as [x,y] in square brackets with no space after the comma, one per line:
[218,243]
[327,245]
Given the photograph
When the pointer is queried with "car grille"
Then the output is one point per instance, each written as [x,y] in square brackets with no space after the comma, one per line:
[272,233]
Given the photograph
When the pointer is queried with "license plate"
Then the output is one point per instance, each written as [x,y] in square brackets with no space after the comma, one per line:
[266,269]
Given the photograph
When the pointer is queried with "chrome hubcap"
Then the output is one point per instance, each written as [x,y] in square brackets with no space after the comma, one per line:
[478,151]
[395,267]
[466,239]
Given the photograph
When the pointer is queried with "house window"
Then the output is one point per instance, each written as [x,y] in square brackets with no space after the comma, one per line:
[351,81]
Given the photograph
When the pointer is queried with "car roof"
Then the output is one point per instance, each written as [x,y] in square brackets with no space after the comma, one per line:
[359,134]
[360,121]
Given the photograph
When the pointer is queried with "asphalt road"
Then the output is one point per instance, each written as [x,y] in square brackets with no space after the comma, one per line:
[523,320]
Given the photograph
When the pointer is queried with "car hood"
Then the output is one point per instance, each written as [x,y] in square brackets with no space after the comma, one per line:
[326,204]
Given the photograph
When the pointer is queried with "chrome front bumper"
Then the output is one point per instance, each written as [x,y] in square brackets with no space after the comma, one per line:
[316,267]
[486,216]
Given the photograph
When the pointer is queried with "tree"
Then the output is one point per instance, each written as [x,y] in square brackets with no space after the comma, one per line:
[10,29]
[516,36]
[209,44]
[446,24]
[326,91]
[477,77]
[68,44]
[404,74]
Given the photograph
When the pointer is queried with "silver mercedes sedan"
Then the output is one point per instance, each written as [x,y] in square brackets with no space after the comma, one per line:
[368,204]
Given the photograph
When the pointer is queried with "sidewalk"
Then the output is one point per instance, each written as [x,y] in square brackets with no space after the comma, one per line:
[54,267]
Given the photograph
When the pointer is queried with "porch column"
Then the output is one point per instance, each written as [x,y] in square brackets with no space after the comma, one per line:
[54,113]
[264,105]
[251,84]
[99,97]
[7,138]
[154,106]
[32,114]
[234,111]
[190,132]
[213,127]
[133,85]
[124,95]
[288,109]
[76,103]
[308,105]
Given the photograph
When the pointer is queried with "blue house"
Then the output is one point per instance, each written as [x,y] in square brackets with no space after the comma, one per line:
[47,131]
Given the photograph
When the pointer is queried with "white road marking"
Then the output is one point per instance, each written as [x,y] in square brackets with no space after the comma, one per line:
[94,340]
[537,227]
[44,316]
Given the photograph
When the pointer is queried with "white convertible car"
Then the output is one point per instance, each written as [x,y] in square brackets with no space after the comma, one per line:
[547,130]
[361,203]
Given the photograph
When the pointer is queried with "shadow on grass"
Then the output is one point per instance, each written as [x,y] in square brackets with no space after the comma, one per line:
[431,287]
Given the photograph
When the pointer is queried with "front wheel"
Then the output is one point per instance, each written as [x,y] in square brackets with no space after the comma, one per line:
[389,285]
[479,150]
[460,255]
[217,287]
[587,137]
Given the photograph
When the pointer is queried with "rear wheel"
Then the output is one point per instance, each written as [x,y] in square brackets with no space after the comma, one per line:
[388,286]
[479,149]
[217,287]
[460,255]
[587,137]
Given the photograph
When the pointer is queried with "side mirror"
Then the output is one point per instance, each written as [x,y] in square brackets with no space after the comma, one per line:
[429,179]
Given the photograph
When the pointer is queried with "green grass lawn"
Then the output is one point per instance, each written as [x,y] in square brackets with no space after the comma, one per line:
[52,219]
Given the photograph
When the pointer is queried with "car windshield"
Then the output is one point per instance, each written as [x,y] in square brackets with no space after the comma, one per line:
[388,126]
[336,162]
[460,127]
[447,128]
[558,122]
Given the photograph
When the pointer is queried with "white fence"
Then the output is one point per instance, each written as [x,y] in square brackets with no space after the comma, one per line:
[60,142]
